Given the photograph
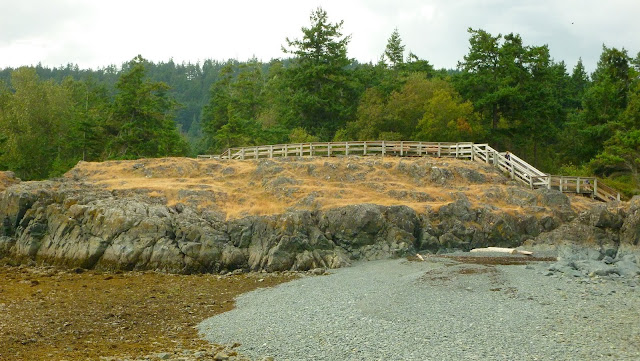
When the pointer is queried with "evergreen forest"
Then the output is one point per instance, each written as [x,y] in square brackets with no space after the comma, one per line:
[504,92]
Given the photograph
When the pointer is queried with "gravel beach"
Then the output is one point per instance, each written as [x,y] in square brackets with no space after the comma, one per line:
[439,309]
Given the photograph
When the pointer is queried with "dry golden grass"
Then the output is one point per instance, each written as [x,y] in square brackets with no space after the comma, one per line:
[264,187]
[6,180]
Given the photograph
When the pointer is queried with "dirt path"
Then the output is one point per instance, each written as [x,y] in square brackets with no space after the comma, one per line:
[49,314]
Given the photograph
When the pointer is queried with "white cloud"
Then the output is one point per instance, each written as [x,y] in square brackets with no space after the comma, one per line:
[98,33]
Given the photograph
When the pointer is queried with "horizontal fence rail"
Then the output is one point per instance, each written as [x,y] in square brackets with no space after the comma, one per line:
[509,163]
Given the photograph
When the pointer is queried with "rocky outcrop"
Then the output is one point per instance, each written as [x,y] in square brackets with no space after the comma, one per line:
[73,225]
[95,229]
[610,228]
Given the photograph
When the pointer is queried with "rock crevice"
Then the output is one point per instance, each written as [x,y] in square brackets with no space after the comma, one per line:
[78,226]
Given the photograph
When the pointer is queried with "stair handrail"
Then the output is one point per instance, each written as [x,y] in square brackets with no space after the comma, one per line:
[518,168]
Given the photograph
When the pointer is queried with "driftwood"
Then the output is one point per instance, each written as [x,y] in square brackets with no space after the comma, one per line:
[502,250]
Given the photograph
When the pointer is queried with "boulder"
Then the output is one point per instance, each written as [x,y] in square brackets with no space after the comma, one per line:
[630,229]
[471,175]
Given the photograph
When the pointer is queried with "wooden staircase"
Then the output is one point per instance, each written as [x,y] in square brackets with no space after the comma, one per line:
[509,163]
[524,172]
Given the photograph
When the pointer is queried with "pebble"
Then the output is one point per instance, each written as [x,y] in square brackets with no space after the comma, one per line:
[400,310]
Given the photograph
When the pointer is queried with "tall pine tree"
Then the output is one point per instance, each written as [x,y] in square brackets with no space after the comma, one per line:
[142,122]
[323,96]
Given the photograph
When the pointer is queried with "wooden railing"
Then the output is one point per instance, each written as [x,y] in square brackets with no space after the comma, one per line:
[329,149]
[509,163]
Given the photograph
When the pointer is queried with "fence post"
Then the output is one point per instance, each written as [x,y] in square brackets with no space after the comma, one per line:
[285,151]
[439,147]
[257,150]
[242,153]
[473,150]
[595,187]
[346,148]
[365,148]
[383,148]
[578,186]
[328,149]
[401,148]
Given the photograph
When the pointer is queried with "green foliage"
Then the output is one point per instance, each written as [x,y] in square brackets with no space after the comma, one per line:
[624,183]
[323,96]
[141,124]
[215,114]
[90,111]
[621,152]
[32,120]
[575,170]
[447,119]
[238,112]
[578,86]
[426,109]
[504,92]
[602,105]
[482,76]
[394,51]
[299,135]
[518,91]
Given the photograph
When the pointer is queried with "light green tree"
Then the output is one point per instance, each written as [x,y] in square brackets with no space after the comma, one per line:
[394,51]
[447,118]
[33,120]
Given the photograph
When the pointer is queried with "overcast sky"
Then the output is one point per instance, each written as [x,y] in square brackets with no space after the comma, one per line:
[97,33]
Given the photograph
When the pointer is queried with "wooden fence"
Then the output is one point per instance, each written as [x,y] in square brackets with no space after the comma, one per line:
[509,163]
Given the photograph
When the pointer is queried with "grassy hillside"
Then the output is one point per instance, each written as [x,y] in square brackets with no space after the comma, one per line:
[262,187]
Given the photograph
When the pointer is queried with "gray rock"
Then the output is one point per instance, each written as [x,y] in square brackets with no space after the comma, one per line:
[163,355]
[627,267]
[417,171]
[552,198]
[107,232]
[440,176]
[79,226]
[460,209]
[630,230]
[471,175]
[221,356]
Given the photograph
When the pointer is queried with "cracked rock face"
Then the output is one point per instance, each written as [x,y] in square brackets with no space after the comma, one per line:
[95,229]
[72,224]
